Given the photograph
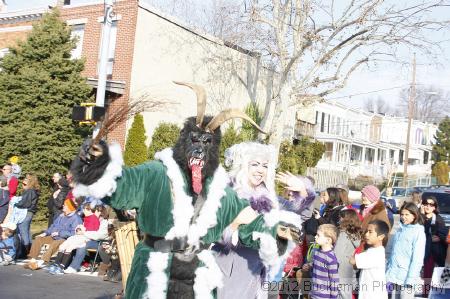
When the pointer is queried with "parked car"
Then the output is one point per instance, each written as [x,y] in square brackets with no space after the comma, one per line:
[442,195]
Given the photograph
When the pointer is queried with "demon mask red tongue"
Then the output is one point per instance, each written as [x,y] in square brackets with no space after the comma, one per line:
[196,165]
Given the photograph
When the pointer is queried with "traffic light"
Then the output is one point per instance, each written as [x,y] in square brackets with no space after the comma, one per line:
[88,112]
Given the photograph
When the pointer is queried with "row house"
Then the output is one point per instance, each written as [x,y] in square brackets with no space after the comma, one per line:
[364,143]
[149,50]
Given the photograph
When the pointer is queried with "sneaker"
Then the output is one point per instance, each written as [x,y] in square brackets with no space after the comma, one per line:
[51,268]
[57,271]
[70,270]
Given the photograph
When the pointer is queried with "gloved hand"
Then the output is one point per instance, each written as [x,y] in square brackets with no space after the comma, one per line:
[289,232]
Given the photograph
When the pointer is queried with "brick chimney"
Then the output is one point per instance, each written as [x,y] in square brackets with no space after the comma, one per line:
[3,6]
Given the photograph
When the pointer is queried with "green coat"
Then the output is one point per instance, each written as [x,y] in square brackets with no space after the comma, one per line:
[152,188]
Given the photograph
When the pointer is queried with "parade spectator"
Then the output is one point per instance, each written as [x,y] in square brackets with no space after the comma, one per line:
[333,205]
[324,266]
[371,262]
[29,201]
[16,169]
[7,244]
[57,199]
[407,250]
[12,181]
[63,227]
[349,239]
[4,198]
[391,205]
[372,207]
[436,239]
[416,199]
[55,178]
[94,237]
[343,194]
[79,240]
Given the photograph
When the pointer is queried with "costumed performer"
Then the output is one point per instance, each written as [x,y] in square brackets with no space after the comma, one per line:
[184,204]
[252,172]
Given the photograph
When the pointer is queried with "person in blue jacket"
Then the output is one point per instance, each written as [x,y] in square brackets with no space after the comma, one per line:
[407,250]
[391,205]
[7,246]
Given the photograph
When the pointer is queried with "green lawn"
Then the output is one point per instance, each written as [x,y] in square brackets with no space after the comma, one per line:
[37,228]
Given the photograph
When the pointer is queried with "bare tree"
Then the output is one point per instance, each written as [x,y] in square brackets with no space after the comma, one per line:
[431,104]
[315,46]
[378,105]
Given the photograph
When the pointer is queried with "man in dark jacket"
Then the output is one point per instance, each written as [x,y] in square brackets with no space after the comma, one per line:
[63,227]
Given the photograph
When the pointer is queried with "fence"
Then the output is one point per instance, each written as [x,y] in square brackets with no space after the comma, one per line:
[127,239]
[326,178]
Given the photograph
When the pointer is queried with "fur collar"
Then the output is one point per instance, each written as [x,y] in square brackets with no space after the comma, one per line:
[183,210]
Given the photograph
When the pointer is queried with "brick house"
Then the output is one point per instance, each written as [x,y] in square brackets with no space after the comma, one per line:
[86,22]
[148,51]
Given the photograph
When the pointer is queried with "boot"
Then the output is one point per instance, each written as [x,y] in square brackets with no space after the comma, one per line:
[103,268]
[27,249]
[66,259]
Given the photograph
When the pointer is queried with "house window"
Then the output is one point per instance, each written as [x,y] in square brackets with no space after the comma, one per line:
[400,157]
[370,155]
[322,123]
[78,34]
[111,48]
[338,126]
[328,124]
[426,157]
[328,155]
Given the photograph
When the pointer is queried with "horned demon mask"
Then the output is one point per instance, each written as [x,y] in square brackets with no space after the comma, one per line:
[197,148]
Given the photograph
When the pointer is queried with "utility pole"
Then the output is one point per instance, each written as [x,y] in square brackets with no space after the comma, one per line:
[103,63]
[411,105]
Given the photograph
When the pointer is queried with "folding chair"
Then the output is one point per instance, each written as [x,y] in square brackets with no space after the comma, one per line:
[92,250]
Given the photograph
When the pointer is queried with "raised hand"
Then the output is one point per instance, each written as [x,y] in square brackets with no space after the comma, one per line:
[292,182]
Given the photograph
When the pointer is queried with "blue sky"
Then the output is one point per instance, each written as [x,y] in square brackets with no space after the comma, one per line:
[385,77]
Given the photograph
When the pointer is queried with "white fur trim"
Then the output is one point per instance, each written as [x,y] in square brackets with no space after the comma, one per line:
[208,277]
[208,213]
[106,185]
[183,210]
[276,215]
[157,280]
[268,252]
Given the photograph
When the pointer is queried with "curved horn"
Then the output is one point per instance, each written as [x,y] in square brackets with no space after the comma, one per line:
[201,100]
[229,114]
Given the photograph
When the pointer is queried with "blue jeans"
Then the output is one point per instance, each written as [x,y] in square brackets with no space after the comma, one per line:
[81,253]
[24,229]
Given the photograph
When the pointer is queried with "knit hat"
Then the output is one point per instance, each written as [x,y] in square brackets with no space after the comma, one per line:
[70,205]
[371,192]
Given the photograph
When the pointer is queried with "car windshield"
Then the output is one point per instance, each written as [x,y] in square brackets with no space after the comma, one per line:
[443,201]
[398,192]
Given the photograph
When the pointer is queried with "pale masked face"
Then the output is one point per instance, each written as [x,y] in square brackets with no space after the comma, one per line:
[257,171]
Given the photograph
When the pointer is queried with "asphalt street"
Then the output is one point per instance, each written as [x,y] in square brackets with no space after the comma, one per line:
[19,283]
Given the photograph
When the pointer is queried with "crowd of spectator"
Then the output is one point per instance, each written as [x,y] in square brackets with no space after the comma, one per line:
[74,226]
[347,250]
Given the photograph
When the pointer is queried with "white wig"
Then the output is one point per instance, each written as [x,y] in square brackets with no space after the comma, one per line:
[238,157]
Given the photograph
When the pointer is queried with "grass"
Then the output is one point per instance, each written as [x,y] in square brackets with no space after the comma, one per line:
[37,228]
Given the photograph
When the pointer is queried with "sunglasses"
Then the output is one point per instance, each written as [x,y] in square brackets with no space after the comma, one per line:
[429,204]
